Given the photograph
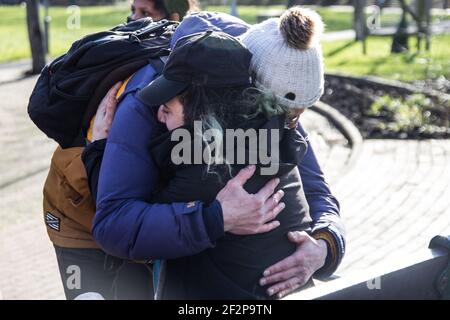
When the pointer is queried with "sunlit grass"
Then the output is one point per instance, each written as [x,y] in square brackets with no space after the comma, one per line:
[13,30]
[341,56]
[14,39]
[347,57]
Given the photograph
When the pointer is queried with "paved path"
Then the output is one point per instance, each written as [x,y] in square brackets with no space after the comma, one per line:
[394,200]
[27,263]
[28,267]
[395,196]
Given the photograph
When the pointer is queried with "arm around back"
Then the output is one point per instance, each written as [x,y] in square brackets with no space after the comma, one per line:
[126,224]
[324,209]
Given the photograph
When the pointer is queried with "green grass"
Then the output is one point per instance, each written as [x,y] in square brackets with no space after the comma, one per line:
[334,20]
[246,13]
[14,39]
[341,56]
[346,57]
[13,31]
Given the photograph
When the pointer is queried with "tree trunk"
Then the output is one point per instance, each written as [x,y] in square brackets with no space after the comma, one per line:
[359,21]
[400,38]
[428,6]
[234,9]
[35,36]
[423,11]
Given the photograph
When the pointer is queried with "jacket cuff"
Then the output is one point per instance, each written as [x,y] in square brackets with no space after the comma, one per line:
[335,251]
[213,218]
[98,145]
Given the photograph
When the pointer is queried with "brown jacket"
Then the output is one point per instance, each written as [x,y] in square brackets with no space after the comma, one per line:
[68,205]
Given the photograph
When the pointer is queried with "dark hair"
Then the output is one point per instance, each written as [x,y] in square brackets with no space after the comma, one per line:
[182,7]
[226,107]
[161,7]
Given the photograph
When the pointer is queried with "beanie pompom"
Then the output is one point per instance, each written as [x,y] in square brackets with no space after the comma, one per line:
[302,28]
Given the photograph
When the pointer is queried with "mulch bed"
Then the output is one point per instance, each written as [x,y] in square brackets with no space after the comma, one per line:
[354,96]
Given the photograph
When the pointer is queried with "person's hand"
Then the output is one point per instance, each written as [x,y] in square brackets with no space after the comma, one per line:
[294,271]
[245,213]
[105,114]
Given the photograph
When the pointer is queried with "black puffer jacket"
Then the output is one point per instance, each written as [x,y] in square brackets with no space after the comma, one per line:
[232,269]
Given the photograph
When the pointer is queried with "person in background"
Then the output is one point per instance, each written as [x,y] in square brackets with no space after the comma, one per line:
[174,10]
[69,208]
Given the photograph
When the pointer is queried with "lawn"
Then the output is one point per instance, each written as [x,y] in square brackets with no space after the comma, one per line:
[14,39]
[346,57]
[334,20]
[341,56]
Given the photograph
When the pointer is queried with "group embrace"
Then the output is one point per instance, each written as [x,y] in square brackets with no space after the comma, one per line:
[203,183]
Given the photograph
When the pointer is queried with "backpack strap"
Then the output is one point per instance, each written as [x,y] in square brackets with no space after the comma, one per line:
[152,28]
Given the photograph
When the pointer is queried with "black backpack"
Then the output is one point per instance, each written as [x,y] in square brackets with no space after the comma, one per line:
[70,88]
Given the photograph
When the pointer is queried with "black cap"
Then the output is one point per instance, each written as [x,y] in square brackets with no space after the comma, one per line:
[210,59]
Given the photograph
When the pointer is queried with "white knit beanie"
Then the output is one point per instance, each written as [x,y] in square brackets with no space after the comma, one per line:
[293,75]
